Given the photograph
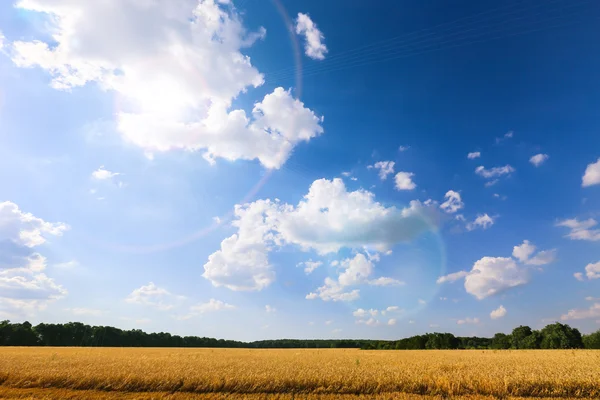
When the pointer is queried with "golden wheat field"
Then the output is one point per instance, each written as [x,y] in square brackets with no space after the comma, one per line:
[136,373]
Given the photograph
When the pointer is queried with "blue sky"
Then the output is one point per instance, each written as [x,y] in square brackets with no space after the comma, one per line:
[300,169]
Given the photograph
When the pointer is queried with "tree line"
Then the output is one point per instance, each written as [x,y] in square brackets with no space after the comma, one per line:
[553,336]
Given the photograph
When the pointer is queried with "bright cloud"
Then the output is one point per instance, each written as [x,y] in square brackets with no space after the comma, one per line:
[592,271]
[404,181]
[492,275]
[313,46]
[538,159]
[453,202]
[154,296]
[176,68]
[494,172]
[579,276]
[327,219]
[473,155]
[592,174]
[524,252]
[471,321]
[581,230]
[385,168]
[103,174]
[453,277]
[270,309]
[386,281]
[24,287]
[310,265]
[498,313]
[482,221]
[592,312]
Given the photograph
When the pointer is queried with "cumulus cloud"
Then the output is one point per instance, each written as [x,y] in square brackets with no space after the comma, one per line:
[581,230]
[269,309]
[313,45]
[176,68]
[506,136]
[385,168]
[592,312]
[154,296]
[404,181]
[592,271]
[24,287]
[310,265]
[453,202]
[498,313]
[327,219]
[402,149]
[538,159]
[471,321]
[211,306]
[453,277]
[102,174]
[386,281]
[482,221]
[370,317]
[473,155]
[494,172]
[591,175]
[492,275]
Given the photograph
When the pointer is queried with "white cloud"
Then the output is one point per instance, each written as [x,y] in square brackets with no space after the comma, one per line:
[310,266]
[491,183]
[453,277]
[361,313]
[211,306]
[391,321]
[590,298]
[482,221]
[24,288]
[523,251]
[422,302]
[402,149]
[471,321]
[592,312]
[498,313]
[581,230]
[592,271]
[579,276]
[154,296]
[347,174]
[313,46]
[404,181]
[328,322]
[473,155]
[104,174]
[393,309]
[25,229]
[591,175]
[386,281]
[369,322]
[434,325]
[494,172]
[507,135]
[176,70]
[327,219]
[543,258]
[492,275]
[453,202]
[538,159]
[269,309]
[385,168]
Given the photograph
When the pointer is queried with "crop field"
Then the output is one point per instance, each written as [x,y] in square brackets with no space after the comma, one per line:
[143,373]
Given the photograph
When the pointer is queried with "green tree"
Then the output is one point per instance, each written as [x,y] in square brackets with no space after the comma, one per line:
[518,336]
[560,336]
[501,341]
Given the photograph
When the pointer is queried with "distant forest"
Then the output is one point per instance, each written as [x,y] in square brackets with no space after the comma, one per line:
[553,336]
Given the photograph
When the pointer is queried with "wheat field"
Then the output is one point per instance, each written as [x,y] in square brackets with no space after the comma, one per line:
[142,373]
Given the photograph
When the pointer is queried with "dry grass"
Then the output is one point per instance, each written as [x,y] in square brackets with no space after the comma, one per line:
[307,374]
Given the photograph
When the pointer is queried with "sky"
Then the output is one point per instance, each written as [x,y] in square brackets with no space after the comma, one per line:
[261,169]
